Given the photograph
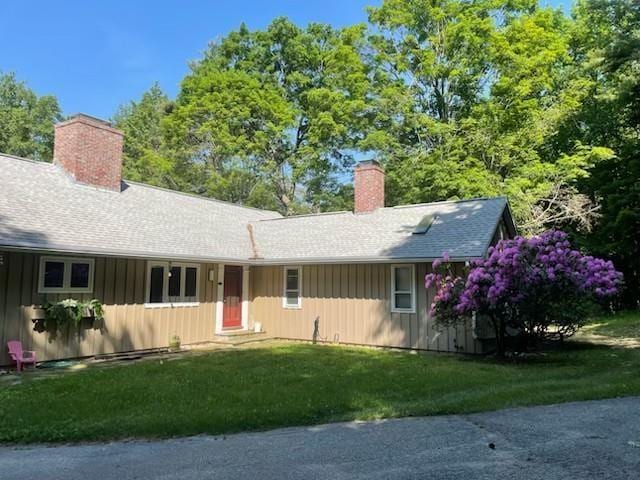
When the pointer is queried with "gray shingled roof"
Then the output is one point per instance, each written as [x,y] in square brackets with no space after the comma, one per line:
[41,207]
[464,229]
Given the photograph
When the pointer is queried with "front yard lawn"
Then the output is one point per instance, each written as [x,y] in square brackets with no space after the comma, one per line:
[297,384]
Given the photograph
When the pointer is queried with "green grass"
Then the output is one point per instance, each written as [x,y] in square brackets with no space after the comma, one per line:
[624,324]
[297,384]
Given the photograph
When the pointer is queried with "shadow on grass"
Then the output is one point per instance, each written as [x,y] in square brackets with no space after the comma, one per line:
[557,353]
[298,384]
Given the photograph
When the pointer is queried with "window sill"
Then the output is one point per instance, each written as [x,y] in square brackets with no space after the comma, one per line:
[45,290]
[172,305]
[292,307]
[400,310]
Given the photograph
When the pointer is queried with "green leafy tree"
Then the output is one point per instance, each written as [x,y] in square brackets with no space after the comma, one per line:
[26,120]
[606,40]
[146,156]
[228,121]
[470,95]
[283,109]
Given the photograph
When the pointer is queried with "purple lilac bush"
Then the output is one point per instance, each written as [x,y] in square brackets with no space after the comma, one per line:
[531,289]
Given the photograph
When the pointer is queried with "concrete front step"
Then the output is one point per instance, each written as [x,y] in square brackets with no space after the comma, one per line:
[236,332]
[239,337]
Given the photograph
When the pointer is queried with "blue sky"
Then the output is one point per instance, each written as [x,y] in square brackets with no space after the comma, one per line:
[96,55]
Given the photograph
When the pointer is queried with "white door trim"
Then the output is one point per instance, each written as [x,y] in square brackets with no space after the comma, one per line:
[245,297]
[220,298]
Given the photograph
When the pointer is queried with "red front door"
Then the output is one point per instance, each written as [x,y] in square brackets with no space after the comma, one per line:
[232,310]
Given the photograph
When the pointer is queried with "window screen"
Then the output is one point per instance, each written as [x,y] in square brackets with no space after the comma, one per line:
[80,275]
[53,274]
[292,287]
[156,284]
[175,281]
[402,288]
[191,282]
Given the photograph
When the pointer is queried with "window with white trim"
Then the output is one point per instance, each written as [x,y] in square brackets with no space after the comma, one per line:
[66,275]
[292,295]
[169,283]
[403,288]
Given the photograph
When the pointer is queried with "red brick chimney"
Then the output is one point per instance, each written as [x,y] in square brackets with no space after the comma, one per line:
[90,150]
[369,186]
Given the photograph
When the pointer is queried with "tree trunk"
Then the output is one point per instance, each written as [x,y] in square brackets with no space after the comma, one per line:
[499,330]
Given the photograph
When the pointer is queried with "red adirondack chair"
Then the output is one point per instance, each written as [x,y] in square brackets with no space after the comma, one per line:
[21,356]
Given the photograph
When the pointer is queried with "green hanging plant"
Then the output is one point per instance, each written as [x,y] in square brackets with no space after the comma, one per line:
[60,317]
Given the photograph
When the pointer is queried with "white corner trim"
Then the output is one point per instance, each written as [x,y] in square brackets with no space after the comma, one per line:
[245,296]
[220,298]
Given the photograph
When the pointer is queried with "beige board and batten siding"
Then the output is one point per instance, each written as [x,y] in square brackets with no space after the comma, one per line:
[120,284]
[352,305]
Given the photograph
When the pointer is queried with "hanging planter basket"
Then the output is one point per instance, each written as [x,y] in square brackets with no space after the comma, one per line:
[68,315]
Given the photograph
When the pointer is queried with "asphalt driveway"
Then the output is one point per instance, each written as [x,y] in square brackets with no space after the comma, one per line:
[598,439]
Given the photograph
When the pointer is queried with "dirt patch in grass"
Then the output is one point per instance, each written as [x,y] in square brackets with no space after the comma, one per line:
[619,342]
[625,325]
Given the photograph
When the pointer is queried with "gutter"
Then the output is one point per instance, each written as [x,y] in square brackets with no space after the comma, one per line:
[228,260]
[347,260]
[123,254]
